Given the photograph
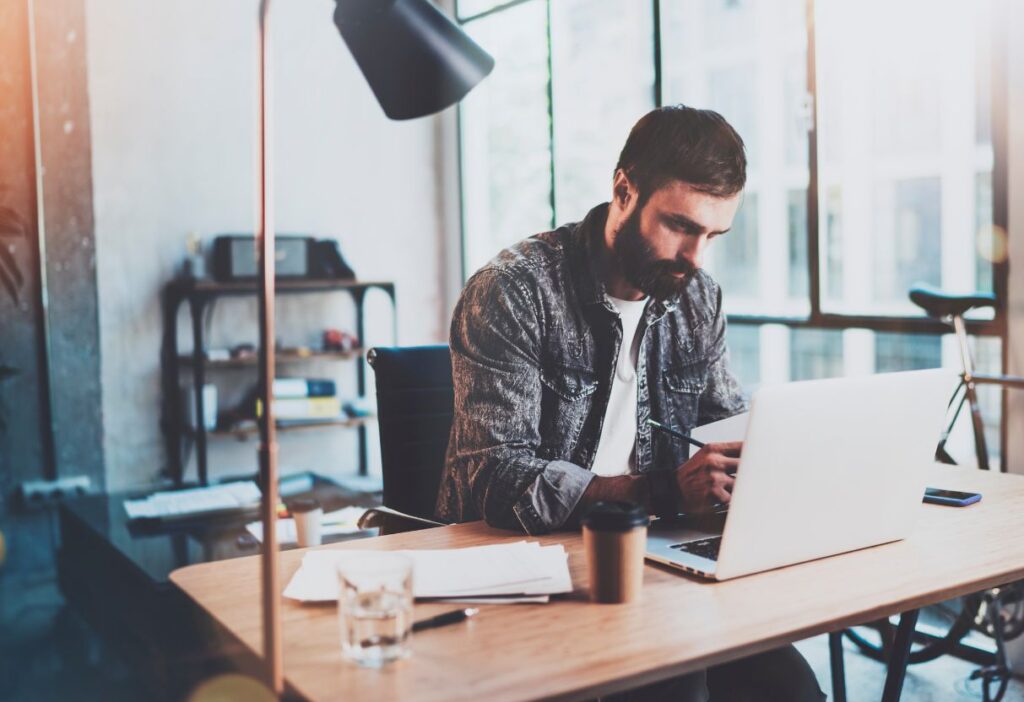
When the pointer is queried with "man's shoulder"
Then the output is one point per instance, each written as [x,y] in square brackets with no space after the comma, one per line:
[701,299]
[530,261]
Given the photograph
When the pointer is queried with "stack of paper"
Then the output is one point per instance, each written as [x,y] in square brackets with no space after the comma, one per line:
[517,572]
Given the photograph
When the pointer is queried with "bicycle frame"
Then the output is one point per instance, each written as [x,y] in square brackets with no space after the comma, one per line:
[968,380]
[1009,381]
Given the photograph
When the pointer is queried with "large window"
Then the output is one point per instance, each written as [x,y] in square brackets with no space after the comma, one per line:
[747,61]
[506,135]
[904,117]
[603,79]
[869,142]
[541,136]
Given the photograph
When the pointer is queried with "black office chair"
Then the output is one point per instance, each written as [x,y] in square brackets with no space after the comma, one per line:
[414,411]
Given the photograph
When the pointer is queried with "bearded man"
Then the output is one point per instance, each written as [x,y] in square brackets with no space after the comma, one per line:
[565,344]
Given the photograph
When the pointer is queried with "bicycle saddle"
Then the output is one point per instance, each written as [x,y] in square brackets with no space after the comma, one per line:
[941,304]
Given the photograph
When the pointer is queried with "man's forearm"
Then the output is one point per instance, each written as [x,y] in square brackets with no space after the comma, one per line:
[630,488]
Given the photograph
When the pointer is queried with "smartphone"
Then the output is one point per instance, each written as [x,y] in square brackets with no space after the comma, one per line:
[952,498]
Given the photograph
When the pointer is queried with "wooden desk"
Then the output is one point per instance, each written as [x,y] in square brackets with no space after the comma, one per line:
[572,649]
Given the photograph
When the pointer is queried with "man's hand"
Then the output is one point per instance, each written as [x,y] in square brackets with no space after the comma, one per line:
[707,478]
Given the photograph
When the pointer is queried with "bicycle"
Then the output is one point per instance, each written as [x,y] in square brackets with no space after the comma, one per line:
[997,612]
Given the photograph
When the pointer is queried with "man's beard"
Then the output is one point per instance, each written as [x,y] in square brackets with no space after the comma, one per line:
[635,259]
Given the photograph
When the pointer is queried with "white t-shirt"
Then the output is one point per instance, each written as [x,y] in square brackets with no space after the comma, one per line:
[616,448]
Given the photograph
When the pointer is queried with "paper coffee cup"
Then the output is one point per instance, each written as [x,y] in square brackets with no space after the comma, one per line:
[615,539]
[307,514]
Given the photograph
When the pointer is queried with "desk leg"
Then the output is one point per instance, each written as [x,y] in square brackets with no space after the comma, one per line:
[835,650]
[899,656]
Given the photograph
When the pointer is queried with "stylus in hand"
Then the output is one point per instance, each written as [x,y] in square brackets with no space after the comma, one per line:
[678,434]
[690,440]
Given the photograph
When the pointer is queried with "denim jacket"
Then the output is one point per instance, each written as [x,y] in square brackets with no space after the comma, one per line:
[533,345]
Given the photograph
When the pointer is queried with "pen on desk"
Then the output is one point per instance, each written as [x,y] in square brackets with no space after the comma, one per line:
[678,434]
[452,617]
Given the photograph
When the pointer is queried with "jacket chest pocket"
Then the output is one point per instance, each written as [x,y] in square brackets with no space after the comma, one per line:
[570,384]
[684,384]
[565,403]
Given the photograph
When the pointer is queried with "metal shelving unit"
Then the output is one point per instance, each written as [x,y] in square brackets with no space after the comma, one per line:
[199,294]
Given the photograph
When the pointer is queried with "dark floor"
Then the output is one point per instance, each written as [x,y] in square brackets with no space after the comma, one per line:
[48,653]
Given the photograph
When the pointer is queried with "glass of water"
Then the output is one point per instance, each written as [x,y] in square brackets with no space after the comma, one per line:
[374,606]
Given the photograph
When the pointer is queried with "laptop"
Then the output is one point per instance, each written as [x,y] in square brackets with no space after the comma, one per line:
[828,466]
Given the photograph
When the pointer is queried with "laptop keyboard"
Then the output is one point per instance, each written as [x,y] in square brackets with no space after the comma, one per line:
[705,548]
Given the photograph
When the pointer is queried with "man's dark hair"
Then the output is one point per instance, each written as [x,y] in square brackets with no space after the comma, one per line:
[677,142]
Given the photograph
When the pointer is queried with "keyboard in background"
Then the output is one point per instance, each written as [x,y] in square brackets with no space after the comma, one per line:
[181,504]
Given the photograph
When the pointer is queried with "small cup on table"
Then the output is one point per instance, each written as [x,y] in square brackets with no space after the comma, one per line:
[615,539]
[307,514]
[374,606]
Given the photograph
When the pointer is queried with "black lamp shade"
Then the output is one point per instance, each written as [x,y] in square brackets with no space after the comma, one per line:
[416,60]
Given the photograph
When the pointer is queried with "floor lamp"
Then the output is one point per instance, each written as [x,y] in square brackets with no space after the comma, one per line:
[417,62]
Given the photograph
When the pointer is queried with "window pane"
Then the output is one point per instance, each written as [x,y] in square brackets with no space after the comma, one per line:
[506,153]
[906,150]
[744,341]
[747,60]
[772,353]
[987,242]
[907,246]
[739,247]
[815,353]
[603,70]
[900,352]
[796,210]
[831,234]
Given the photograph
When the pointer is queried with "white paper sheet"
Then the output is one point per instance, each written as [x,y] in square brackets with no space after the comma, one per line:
[508,599]
[524,569]
[730,429]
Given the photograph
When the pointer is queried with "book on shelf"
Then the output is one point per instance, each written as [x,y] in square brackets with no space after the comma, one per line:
[303,387]
[305,407]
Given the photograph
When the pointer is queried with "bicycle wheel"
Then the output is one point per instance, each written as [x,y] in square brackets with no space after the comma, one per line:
[939,628]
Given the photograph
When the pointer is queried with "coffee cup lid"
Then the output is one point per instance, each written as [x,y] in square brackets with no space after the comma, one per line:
[302,504]
[615,516]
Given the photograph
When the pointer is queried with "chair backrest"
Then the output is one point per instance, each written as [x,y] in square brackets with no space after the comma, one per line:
[414,409]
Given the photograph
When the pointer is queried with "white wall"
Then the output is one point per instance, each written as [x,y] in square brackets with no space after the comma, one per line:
[172,101]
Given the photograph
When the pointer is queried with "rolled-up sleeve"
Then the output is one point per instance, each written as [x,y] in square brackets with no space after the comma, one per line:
[493,458]
[552,496]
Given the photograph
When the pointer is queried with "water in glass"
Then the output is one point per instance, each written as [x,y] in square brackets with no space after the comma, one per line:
[375,607]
